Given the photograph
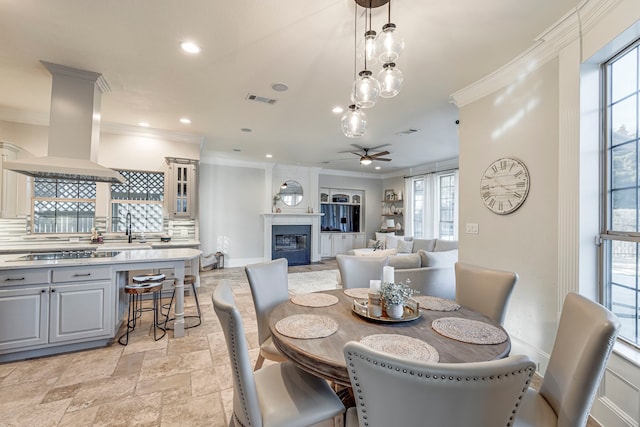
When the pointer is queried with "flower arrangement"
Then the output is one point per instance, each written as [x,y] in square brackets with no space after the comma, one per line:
[377,245]
[276,198]
[396,293]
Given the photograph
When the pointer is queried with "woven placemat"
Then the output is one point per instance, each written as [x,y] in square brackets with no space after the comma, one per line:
[306,326]
[436,303]
[469,331]
[361,293]
[315,299]
[403,346]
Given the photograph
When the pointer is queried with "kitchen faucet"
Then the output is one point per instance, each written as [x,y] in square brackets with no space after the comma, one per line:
[128,227]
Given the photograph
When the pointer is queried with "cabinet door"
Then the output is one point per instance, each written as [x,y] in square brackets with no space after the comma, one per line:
[80,311]
[358,241]
[341,244]
[182,189]
[24,317]
[325,245]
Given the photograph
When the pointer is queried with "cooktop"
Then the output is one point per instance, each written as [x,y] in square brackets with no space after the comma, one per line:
[44,256]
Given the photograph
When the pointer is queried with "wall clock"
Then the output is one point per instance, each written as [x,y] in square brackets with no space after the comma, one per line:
[505,185]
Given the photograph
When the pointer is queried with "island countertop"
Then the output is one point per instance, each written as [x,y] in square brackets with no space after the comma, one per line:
[142,256]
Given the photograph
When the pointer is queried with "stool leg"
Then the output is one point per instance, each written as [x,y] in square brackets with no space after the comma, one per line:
[130,311]
[195,295]
[166,319]
[156,306]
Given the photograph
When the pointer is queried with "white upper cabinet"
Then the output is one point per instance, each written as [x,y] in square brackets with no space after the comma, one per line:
[181,185]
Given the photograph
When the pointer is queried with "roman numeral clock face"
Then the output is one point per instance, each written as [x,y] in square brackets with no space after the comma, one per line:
[504,185]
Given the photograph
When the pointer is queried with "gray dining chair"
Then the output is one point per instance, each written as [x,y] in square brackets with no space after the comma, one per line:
[484,290]
[269,285]
[586,334]
[356,271]
[278,395]
[393,391]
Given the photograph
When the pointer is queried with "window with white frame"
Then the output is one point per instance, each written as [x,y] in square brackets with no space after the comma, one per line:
[142,196]
[63,206]
[434,211]
[621,234]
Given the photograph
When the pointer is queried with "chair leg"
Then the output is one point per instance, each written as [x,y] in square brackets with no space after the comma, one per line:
[259,362]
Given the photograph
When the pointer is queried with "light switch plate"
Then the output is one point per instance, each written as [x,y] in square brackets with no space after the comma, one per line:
[472,228]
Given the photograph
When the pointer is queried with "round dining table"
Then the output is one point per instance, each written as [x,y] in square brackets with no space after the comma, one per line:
[324,358]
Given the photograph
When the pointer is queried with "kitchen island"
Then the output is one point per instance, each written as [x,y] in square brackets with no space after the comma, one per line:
[51,306]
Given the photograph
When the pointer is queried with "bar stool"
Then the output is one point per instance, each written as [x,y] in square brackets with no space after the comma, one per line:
[189,279]
[148,283]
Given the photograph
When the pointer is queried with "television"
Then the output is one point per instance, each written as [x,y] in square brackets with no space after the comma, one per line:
[340,218]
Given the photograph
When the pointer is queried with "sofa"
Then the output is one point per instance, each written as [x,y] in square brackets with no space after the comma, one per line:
[429,265]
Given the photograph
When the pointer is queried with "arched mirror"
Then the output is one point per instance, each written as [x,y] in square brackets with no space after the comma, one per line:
[291,193]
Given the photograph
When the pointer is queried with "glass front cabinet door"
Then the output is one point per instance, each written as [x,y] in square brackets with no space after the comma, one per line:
[182,187]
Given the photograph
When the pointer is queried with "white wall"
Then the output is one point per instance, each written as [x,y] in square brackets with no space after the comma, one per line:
[231,201]
[532,109]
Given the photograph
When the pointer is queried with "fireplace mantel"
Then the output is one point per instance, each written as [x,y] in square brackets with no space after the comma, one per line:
[313,219]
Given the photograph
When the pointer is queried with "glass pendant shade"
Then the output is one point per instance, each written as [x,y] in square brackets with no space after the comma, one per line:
[389,43]
[390,79]
[367,48]
[366,90]
[354,122]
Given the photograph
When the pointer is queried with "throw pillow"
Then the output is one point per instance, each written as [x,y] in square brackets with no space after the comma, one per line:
[405,247]
[402,262]
[439,259]
[392,242]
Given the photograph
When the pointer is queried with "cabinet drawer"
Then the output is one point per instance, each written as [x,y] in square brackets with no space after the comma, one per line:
[61,275]
[24,277]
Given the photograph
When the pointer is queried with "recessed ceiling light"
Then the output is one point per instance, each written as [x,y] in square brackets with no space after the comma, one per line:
[246,130]
[337,109]
[143,124]
[190,47]
[378,167]
[185,121]
[280,87]
[268,156]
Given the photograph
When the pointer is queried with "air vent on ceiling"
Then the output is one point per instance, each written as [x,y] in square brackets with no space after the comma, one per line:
[252,97]
[407,132]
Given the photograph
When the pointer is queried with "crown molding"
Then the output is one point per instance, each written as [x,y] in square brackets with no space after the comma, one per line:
[351,174]
[547,45]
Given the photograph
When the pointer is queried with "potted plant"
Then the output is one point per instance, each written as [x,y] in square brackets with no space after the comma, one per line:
[395,296]
[377,245]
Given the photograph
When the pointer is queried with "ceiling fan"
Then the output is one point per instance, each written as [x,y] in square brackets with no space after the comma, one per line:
[365,157]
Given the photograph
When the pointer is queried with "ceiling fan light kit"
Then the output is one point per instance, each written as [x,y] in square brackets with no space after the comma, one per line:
[385,47]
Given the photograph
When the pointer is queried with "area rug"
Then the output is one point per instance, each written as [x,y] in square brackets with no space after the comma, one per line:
[311,281]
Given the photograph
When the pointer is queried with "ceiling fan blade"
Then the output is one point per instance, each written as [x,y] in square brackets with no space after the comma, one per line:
[377,146]
[382,153]
[360,147]
[381,158]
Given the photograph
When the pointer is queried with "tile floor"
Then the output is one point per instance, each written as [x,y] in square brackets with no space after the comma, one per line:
[170,382]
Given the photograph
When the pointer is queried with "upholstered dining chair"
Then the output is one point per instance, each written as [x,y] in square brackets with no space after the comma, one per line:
[393,391]
[484,290]
[276,395]
[269,285]
[585,338]
[356,271]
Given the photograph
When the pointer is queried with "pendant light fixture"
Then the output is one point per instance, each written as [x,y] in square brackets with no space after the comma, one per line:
[385,47]
[390,79]
[354,122]
[366,88]
[389,43]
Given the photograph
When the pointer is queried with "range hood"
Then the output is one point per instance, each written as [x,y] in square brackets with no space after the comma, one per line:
[74,130]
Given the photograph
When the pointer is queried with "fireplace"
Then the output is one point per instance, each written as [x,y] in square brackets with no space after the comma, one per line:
[292,242]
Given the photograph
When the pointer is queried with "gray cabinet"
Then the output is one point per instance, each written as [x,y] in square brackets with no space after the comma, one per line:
[24,317]
[42,307]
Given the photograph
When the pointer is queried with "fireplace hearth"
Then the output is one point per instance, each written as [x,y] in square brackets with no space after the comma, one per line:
[292,242]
